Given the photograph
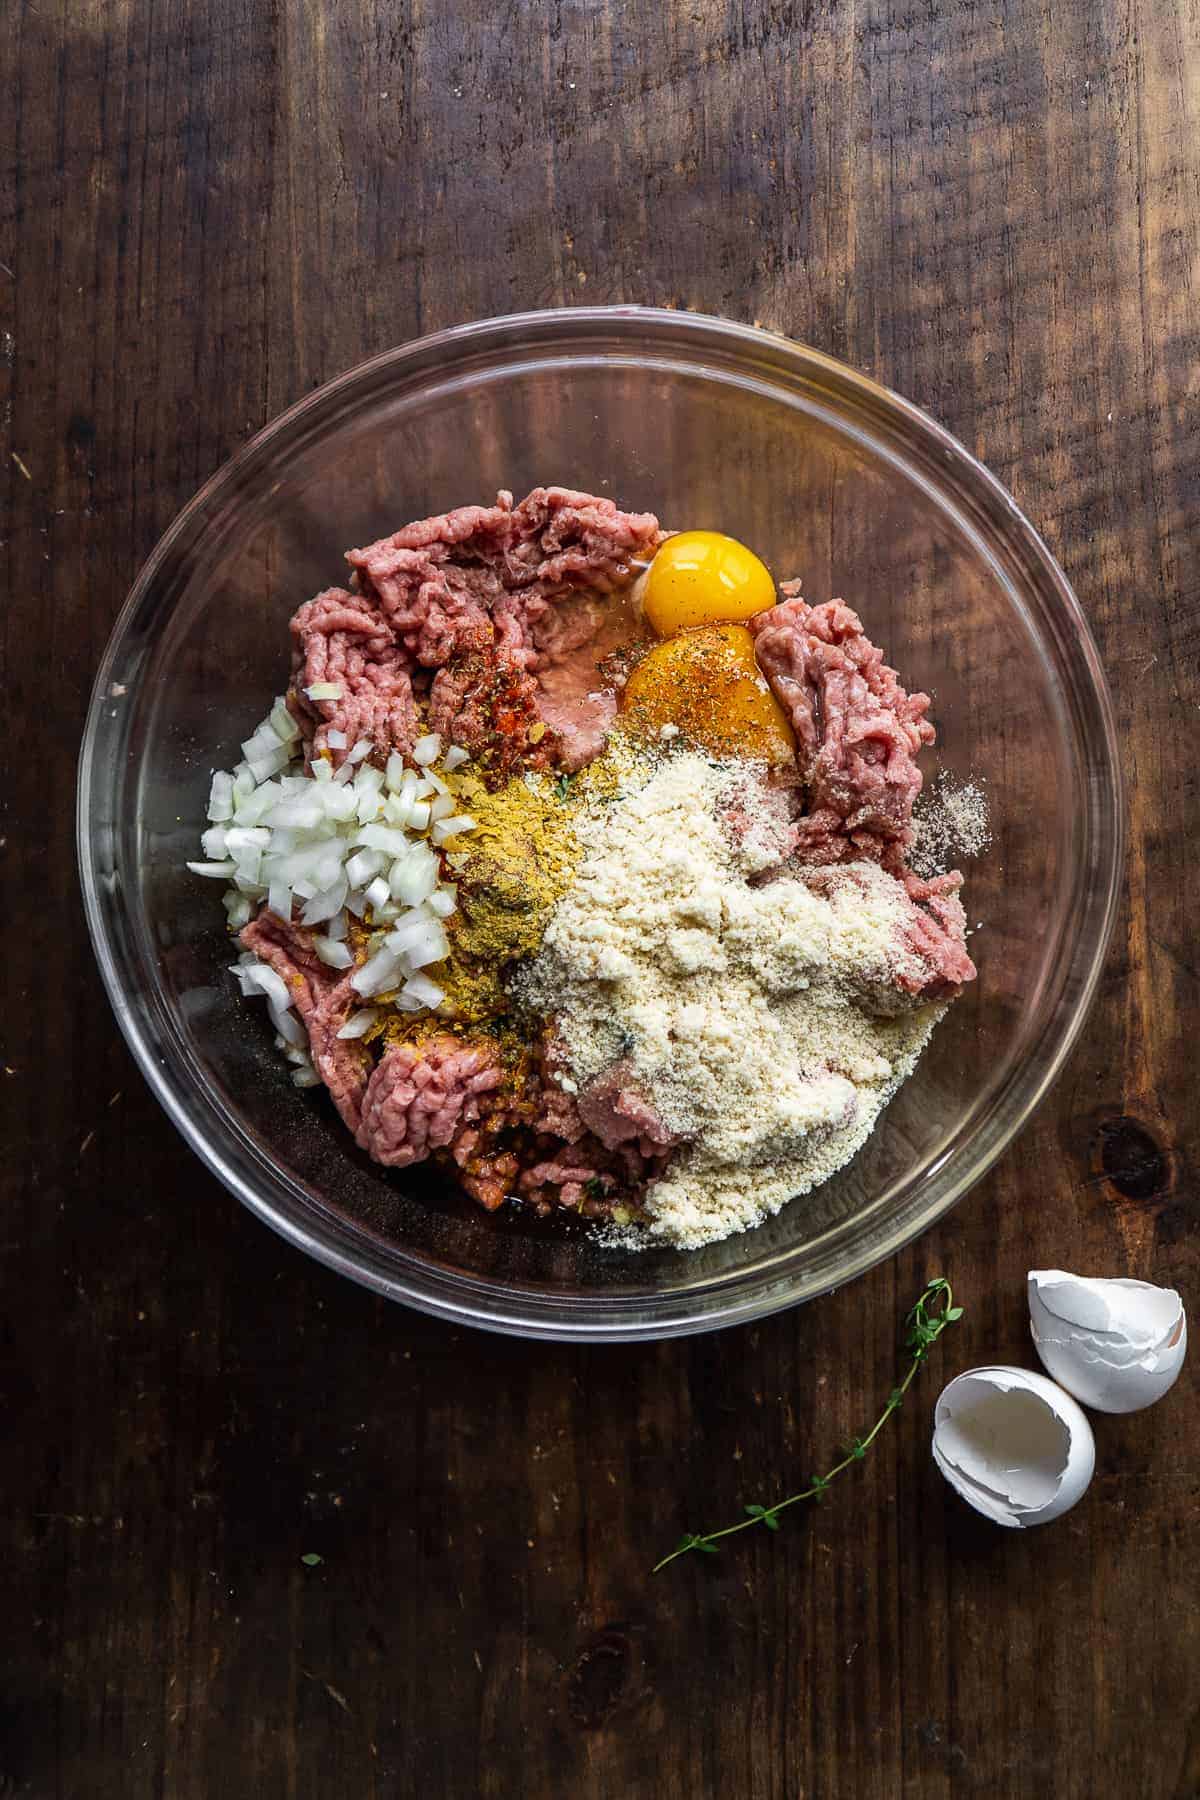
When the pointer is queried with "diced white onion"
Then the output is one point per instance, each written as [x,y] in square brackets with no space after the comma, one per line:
[378,973]
[453,827]
[455,757]
[283,724]
[420,940]
[281,834]
[288,1026]
[424,991]
[414,875]
[324,690]
[272,984]
[326,904]
[306,1078]
[220,798]
[359,1023]
[337,956]
[263,766]
[279,899]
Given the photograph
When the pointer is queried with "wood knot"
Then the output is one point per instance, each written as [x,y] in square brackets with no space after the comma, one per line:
[1129,1157]
[608,1676]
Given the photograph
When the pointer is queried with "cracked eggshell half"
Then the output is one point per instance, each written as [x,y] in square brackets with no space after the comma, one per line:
[1116,1345]
[1013,1445]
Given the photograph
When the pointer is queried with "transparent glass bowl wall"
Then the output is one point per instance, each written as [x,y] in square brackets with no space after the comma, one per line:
[708,424]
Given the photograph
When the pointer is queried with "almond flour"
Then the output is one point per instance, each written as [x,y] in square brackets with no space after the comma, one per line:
[750,1013]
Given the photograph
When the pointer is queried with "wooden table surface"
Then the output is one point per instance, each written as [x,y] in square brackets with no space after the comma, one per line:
[206,210]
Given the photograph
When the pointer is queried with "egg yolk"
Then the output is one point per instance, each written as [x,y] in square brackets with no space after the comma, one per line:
[706,684]
[704,578]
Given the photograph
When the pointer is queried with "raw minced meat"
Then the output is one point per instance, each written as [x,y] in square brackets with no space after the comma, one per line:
[469,594]
[487,626]
[857,731]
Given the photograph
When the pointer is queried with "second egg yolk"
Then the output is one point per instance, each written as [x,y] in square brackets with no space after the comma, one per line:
[707,686]
[704,578]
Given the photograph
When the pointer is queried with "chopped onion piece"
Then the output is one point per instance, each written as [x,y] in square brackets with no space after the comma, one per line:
[421,989]
[249,869]
[337,956]
[271,983]
[420,940]
[414,876]
[220,798]
[443,901]
[418,815]
[359,1023]
[455,757]
[306,1078]
[378,973]
[282,723]
[394,773]
[218,871]
[324,690]
[288,1026]
[426,749]
[338,928]
[442,807]
[279,899]
[454,827]
[363,866]
[335,739]
[383,837]
[359,751]
[214,841]
[324,905]
[238,909]
[263,766]
[378,893]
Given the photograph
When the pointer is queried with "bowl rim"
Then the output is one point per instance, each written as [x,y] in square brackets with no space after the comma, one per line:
[459,1297]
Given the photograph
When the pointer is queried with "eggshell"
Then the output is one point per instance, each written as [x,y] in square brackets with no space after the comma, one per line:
[1116,1345]
[1013,1445]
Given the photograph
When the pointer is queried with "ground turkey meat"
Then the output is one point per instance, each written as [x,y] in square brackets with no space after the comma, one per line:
[324,1000]
[857,731]
[421,1097]
[463,599]
[617,1112]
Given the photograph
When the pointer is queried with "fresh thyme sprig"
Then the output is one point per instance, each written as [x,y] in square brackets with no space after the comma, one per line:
[923,1327]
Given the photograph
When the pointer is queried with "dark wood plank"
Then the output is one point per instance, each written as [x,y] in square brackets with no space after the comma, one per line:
[205,210]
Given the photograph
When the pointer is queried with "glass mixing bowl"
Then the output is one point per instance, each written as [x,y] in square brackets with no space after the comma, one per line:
[706,423]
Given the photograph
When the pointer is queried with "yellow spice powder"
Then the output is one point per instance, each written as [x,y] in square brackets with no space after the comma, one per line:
[511,871]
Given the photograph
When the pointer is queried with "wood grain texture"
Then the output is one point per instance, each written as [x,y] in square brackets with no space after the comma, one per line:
[206,210]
